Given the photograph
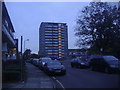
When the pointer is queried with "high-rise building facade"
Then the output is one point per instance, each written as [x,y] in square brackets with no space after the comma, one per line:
[53,40]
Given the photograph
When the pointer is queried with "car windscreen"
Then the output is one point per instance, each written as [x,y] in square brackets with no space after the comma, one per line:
[80,60]
[46,59]
[111,59]
[54,64]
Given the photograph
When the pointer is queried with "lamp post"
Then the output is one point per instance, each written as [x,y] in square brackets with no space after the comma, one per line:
[24,43]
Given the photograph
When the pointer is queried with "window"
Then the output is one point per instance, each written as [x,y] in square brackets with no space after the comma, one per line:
[60,54]
[55,31]
[55,26]
[55,39]
[48,45]
[59,31]
[48,42]
[48,36]
[59,25]
[48,39]
[60,46]
[48,26]
[55,53]
[49,50]
[54,47]
[59,41]
[59,28]
[55,44]
[59,38]
[55,50]
[49,53]
[6,23]
[48,31]
[60,49]
[55,36]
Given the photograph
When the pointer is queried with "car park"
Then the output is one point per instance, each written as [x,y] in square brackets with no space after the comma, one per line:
[54,67]
[79,63]
[42,62]
[108,64]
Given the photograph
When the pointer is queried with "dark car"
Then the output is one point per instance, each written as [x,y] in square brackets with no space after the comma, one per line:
[54,67]
[42,62]
[78,62]
[35,61]
[106,64]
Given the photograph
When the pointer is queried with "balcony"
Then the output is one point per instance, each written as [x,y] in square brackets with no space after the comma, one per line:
[8,34]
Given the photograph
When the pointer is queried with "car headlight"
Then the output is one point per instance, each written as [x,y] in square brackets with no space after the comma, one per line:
[43,63]
[63,68]
[113,66]
[83,63]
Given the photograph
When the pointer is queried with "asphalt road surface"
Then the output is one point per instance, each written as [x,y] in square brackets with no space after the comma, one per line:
[85,78]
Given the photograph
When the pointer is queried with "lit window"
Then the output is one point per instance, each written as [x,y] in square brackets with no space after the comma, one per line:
[60,54]
[59,33]
[14,54]
[60,49]
[59,38]
[59,30]
[49,53]
[59,24]
[60,44]
[59,41]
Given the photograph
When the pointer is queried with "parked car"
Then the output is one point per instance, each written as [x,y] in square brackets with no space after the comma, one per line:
[78,62]
[106,64]
[54,67]
[35,61]
[31,60]
[42,62]
[27,61]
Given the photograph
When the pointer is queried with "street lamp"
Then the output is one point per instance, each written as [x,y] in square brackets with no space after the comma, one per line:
[24,43]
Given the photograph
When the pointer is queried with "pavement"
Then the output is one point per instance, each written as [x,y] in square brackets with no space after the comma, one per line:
[35,79]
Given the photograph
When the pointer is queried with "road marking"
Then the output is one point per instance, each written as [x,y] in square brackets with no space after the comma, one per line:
[53,77]
[60,84]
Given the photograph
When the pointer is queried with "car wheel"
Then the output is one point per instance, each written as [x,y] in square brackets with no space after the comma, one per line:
[92,68]
[72,65]
[107,70]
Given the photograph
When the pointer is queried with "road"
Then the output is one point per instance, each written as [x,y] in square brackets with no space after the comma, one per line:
[85,78]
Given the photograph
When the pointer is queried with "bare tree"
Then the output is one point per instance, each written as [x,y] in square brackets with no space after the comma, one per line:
[98,27]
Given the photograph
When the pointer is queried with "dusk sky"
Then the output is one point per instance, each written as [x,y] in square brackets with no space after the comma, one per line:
[26,18]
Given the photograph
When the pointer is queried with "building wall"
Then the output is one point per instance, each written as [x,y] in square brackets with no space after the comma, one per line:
[53,39]
[9,44]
